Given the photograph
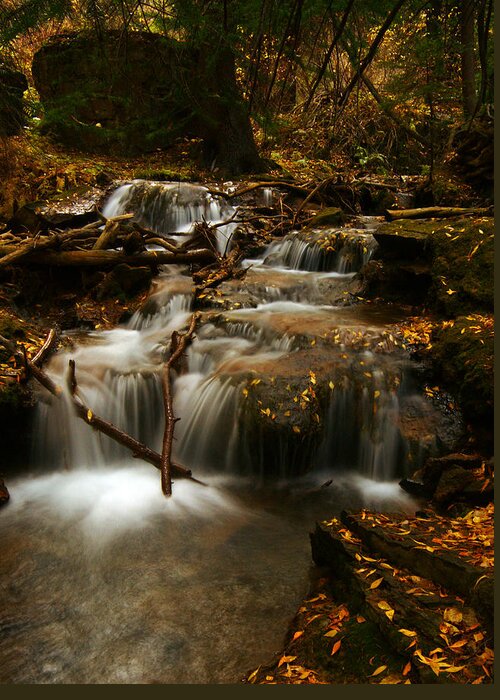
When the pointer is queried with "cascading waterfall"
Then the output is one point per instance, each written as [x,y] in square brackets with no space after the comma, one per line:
[106,581]
[169,208]
[118,371]
[342,251]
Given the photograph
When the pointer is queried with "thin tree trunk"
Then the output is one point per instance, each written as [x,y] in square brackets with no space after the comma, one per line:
[371,52]
[469,97]
[328,55]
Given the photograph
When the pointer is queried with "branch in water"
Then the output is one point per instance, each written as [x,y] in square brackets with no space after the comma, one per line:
[178,345]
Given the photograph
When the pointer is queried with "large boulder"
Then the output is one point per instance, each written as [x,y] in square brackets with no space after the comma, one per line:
[112,93]
[13,83]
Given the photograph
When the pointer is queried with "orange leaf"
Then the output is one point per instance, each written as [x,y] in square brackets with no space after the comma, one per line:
[407,669]
[335,648]
[286,660]
[377,583]
[380,669]
[297,635]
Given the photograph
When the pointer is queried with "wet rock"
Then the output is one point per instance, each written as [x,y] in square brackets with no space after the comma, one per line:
[4,493]
[35,217]
[123,282]
[400,239]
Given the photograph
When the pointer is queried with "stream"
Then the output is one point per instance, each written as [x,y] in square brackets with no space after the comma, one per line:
[106,581]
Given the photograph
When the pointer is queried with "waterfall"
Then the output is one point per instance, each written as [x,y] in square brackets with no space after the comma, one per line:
[340,251]
[170,208]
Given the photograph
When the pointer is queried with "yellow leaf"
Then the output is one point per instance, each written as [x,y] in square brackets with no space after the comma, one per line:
[379,670]
[408,633]
[390,614]
[331,633]
[451,291]
[331,385]
[296,429]
[452,615]
[377,583]
[89,415]
[253,674]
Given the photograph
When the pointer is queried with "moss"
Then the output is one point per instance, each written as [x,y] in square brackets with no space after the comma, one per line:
[332,216]
[462,270]
[463,355]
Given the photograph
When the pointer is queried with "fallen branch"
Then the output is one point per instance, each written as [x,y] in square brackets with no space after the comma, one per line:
[177,347]
[102,258]
[435,212]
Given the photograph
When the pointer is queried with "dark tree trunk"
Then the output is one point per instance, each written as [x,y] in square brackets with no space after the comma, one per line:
[469,97]
[228,142]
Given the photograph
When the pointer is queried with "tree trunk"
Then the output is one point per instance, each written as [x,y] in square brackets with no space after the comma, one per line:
[228,142]
[469,97]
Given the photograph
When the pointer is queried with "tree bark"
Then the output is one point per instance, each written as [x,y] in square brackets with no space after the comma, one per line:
[469,98]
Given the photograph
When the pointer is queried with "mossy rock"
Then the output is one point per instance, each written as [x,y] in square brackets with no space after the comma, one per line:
[332,216]
[463,354]
[463,265]
[457,253]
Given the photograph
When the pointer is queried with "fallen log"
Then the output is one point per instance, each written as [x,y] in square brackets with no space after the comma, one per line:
[102,258]
[436,212]
[177,348]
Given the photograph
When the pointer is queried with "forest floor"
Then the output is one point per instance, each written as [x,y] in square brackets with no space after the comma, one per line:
[373,615]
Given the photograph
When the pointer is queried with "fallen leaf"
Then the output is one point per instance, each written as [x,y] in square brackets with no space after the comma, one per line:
[377,583]
[335,648]
[380,669]
[408,633]
[452,615]
[297,635]
[286,660]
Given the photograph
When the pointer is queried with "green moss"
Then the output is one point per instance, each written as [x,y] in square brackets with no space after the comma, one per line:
[332,216]
[463,266]
[463,354]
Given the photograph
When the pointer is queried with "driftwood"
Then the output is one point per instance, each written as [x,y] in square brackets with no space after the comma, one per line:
[138,449]
[435,212]
[177,348]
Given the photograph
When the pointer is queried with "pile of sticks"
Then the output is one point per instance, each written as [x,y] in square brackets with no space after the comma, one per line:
[103,243]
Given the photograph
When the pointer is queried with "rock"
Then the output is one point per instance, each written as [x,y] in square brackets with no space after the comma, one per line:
[451,484]
[4,493]
[404,240]
[85,86]
[332,216]
[123,282]
[35,217]
[375,200]
[13,83]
